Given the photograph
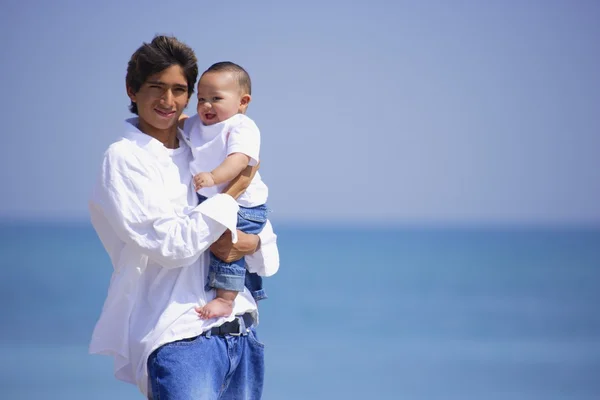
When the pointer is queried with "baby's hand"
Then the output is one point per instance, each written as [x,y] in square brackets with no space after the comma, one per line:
[203,179]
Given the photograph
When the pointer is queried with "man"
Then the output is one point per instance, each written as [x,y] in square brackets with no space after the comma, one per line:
[146,215]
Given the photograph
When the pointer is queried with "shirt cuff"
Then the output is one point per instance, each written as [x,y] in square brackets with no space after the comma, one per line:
[265,261]
[223,209]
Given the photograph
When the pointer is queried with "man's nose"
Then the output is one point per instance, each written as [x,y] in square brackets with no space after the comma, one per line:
[167,97]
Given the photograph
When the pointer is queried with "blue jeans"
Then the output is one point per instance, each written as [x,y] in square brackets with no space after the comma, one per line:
[234,275]
[208,368]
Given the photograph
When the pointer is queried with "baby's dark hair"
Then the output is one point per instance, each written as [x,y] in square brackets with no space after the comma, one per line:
[241,74]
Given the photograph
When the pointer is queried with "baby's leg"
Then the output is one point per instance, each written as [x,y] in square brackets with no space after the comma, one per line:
[220,306]
[228,278]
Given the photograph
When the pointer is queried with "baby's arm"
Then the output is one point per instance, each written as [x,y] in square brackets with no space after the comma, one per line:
[240,183]
[233,165]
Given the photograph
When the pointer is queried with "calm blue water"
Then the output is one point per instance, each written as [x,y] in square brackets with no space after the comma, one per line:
[353,314]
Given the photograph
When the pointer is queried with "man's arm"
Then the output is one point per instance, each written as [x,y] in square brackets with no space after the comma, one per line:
[132,198]
[240,183]
[261,252]
[227,251]
[181,121]
[232,166]
[223,248]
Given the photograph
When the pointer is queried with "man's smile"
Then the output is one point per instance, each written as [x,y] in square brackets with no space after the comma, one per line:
[164,113]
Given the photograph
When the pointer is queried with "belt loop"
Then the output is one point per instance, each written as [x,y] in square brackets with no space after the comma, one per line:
[243,329]
[240,325]
[208,333]
[248,321]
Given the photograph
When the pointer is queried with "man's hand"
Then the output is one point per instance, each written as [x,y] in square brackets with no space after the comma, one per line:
[181,121]
[203,179]
[228,252]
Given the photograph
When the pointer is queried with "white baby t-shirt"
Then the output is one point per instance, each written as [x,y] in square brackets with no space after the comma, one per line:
[211,144]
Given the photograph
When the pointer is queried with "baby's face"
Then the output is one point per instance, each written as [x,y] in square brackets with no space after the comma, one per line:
[219,97]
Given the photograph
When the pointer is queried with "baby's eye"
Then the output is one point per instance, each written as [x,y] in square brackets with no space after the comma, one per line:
[217,98]
[202,99]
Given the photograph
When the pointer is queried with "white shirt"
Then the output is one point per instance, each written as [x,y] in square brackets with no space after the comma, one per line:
[211,144]
[146,215]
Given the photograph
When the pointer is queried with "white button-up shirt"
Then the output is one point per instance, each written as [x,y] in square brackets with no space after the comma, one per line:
[146,215]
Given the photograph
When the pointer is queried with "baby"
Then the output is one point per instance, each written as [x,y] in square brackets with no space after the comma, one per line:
[224,142]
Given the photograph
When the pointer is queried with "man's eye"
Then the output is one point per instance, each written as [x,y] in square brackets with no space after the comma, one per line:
[179,90]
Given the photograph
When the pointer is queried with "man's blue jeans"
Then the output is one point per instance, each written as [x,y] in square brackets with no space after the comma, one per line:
[208,368]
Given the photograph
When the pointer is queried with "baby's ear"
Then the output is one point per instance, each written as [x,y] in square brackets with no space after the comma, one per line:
[245,100]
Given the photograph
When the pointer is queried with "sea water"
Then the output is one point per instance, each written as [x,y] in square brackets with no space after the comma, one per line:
[354,313]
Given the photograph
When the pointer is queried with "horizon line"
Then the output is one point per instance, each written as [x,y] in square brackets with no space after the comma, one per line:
[396,223]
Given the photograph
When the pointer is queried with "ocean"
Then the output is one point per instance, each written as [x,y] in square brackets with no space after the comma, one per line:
[417,313]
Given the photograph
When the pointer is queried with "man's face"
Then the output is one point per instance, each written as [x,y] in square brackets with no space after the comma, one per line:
[219,97]
[162,98]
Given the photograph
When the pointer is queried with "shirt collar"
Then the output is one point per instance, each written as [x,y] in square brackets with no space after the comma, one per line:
[149,143]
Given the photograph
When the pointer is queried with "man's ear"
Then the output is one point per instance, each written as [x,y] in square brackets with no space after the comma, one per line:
[130,93]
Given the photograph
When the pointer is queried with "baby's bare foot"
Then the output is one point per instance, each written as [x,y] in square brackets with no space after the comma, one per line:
[217,307]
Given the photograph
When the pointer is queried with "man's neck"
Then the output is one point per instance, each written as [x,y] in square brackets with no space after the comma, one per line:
[168,137]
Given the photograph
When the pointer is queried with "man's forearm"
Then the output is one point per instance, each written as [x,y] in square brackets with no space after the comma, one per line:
[240,183]
[247,243]
[226,251]
[174,242]
[233,165]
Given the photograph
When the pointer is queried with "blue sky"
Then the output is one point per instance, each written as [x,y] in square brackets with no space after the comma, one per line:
[405,111]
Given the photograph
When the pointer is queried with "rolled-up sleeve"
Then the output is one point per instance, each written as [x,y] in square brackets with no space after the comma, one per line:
[265,262]
[132,198]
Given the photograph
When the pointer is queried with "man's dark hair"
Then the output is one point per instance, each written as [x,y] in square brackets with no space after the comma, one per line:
[156,56]
[240,73]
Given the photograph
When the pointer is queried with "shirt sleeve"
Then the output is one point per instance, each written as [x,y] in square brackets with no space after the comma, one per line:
[244,137]
[265,262]
[132,198]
